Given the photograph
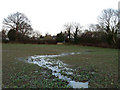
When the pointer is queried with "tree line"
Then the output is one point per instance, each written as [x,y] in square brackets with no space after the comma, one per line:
[17,28]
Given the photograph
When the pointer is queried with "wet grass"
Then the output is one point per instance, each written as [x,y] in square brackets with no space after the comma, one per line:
[37,78]
[98,65]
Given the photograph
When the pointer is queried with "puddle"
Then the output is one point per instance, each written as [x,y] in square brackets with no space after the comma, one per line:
[78,84]
[57,66]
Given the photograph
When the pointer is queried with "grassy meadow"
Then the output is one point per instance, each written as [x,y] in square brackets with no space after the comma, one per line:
[18,74]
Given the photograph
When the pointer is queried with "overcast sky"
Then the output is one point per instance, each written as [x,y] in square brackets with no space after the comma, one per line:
[50,15]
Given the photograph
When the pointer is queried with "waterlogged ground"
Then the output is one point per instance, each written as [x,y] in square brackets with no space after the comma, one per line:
[58,68]
[54,66]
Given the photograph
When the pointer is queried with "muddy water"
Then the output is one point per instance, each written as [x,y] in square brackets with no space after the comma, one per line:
[57,66]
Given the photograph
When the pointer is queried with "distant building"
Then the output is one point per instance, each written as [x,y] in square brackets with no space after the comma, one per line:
[48,37]
[54,37]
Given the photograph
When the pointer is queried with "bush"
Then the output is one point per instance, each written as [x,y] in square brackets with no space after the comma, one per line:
[12,35]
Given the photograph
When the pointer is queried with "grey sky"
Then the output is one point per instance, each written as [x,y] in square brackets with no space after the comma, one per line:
[50,15]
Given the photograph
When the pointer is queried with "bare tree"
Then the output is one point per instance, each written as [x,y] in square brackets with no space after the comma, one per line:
[76,32]
[68,28]
[19,22]
[108,21]
[94,27]
[36,34]
[72,31]
[4,36]
[77,28]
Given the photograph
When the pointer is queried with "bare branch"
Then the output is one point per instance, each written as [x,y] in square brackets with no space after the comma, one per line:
[19,22]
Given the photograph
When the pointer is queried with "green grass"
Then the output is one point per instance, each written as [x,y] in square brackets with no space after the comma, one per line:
[16,73]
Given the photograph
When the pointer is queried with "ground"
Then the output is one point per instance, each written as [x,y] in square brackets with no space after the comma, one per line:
[17,73]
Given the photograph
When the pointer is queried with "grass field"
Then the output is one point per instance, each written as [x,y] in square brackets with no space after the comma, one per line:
[16,73]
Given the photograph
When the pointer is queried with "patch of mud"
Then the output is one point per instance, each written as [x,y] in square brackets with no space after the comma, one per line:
[57,66]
